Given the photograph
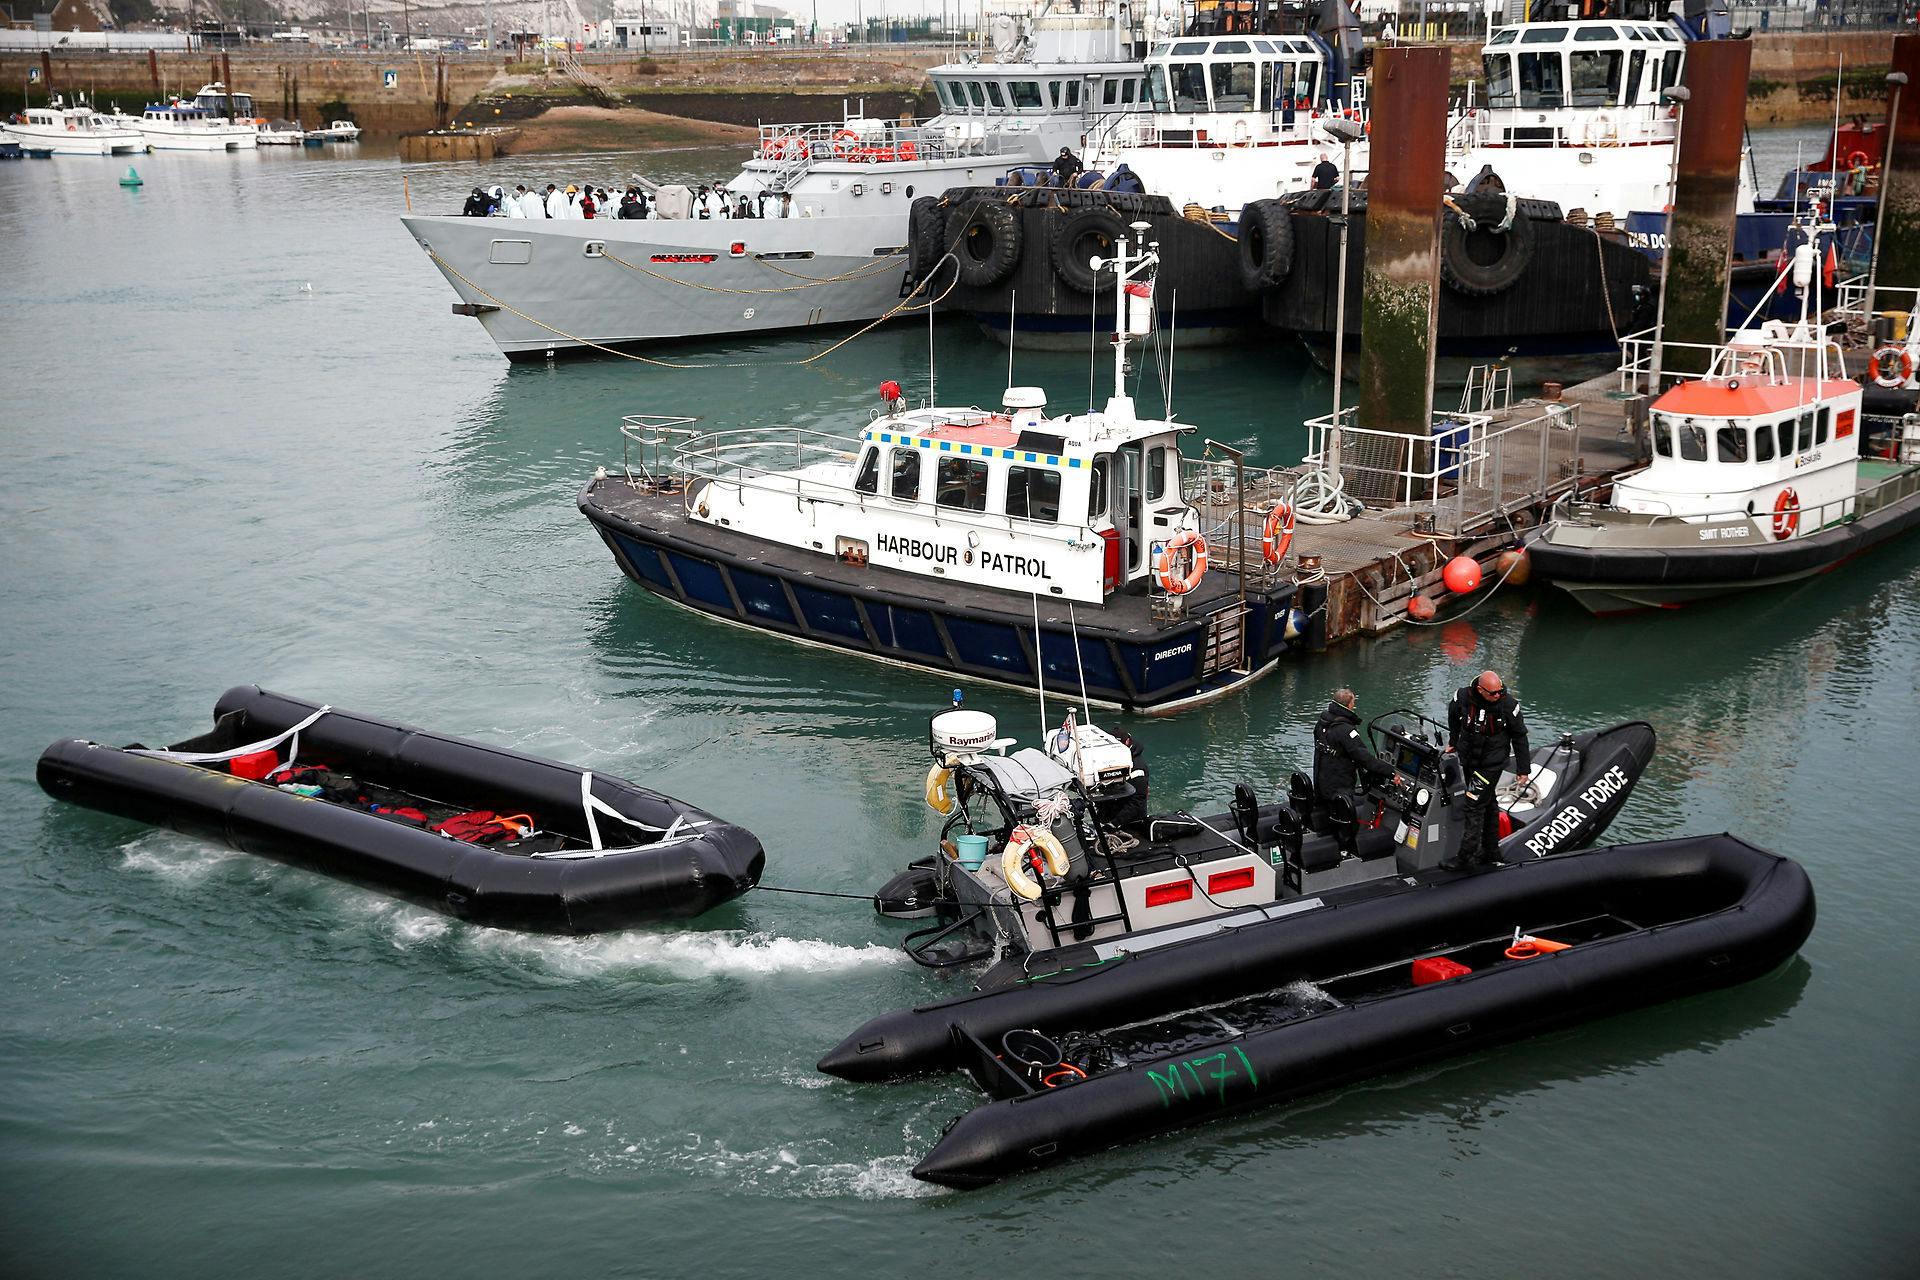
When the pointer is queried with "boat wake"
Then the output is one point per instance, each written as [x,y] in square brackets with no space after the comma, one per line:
[719,954]
[176,858]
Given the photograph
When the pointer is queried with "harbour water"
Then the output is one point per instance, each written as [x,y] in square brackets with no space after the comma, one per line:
[211,473]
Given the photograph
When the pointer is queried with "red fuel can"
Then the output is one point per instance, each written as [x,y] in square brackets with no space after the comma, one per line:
[255,765]
[1431,969]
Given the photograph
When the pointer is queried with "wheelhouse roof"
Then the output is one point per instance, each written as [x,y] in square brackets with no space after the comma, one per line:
[1738,398]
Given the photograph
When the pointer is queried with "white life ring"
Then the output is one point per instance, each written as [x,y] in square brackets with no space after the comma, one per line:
[845,141]
[1892,366]
[1602,131]
[1167,554]
[1013,860]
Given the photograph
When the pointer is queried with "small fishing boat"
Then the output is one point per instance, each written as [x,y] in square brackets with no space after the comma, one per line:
[340,131]
[1014,546]
[486,834]
[1076,1059]
[58,129]
[280,133]
[1758,475]
[183,126]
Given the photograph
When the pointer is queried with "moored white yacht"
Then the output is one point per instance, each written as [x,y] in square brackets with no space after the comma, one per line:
[542,287]
[280,133]
[180,126]
[79,131]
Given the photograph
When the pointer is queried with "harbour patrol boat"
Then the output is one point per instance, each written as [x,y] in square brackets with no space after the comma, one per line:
[1758,474]
[549,288]
[1012,546]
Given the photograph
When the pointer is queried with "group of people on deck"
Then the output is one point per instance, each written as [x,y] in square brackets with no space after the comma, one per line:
[633,202]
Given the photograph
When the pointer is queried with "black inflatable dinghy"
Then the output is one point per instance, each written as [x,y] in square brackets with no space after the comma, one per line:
[486,834]
[1083,1059]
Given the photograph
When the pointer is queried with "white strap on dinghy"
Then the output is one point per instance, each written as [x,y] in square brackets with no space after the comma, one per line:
[590,804]
[221,757]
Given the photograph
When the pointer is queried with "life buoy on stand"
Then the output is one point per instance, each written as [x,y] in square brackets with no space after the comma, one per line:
[1277,534]
[1892,366]
[1167,556]
[1038,847]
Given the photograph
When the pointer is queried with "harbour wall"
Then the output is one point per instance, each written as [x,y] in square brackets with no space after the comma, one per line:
[393,92]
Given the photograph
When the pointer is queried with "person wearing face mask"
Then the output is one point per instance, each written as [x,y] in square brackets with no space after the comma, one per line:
[1484,729]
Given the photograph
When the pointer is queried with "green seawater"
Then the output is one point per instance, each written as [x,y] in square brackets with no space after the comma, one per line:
[214,1065]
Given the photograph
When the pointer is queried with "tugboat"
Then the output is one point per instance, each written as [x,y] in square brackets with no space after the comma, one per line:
[1014,546]
[1757,474]
[1041,863]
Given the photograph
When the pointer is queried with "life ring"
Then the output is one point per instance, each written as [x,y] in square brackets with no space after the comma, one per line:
[1167,554]
[1602,131]
[939,790]
[1786,514]
[1277,534]
[1266,244]
[1892,366]
[844,140]
[1024,843]
[1859,160]
[908,151]
[72,127]
[1242,135]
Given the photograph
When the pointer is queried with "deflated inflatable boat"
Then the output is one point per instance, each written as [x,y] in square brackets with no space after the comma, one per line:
[1149,1038]
[489,835]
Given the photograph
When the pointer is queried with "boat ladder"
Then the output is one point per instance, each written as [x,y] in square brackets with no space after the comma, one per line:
[1225,648]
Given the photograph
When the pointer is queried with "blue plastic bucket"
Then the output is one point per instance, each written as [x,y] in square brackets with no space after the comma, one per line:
[972,849]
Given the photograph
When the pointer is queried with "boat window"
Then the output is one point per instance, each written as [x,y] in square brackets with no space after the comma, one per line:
[1128,90]
[1191,46]
[1670,72]
[906,474]
[1053,94]
[1033,493]
[1026,94]
[1786,438]
[1236,86]
[1111,94]
[962,482]
[1188,81]
[1266,86]
[1663,437]
[1542,80]
[1073,93]
[868,479]
[973,91]
[993,94]
[1157,88]
[1806,431]
[1504,36]
[1596,77]
[1763,443]
[1820,430]
[1285,87]
[1540,35]
[1732,444]
[1693,442]
[1499,69]
[1156,473]
[1309,76]
[1097,489]
[1636,76]
[1233,46]
[1587,35]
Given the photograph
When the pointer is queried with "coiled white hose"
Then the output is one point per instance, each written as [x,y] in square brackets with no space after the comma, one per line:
[1321,498]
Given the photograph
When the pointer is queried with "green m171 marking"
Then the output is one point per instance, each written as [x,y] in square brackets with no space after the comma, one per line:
[1204,1078]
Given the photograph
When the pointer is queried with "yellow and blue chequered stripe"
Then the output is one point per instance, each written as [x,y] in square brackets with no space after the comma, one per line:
[972,450]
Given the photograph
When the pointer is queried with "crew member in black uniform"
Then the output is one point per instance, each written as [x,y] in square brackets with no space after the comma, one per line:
[1484,728]
[1340,755]
[1326,174]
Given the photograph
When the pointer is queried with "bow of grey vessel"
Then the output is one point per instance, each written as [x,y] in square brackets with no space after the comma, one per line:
[546,287]
[1014,546]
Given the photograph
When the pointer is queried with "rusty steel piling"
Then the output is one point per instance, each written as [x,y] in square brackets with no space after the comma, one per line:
[1706,196]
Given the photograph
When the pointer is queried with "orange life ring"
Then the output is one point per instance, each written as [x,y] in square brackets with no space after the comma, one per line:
[72,127]
[843,141]
[1786,514]
[1167,554]
[1277,534]
[1859,160]
[1892,366]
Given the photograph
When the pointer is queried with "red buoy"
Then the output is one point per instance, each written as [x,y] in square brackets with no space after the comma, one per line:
[889,391]
[1461,575]
[1514,567]
[1420,609]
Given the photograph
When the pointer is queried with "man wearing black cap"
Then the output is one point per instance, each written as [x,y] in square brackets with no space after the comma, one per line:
[1340,756]
[1484,728]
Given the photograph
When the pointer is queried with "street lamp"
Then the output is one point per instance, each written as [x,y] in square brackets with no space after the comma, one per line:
[1346,132]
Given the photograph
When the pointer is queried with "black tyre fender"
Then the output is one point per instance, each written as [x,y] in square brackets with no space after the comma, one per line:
[1080,236]
[1485,261]
[926,237]
[986,237]
[1266,244]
